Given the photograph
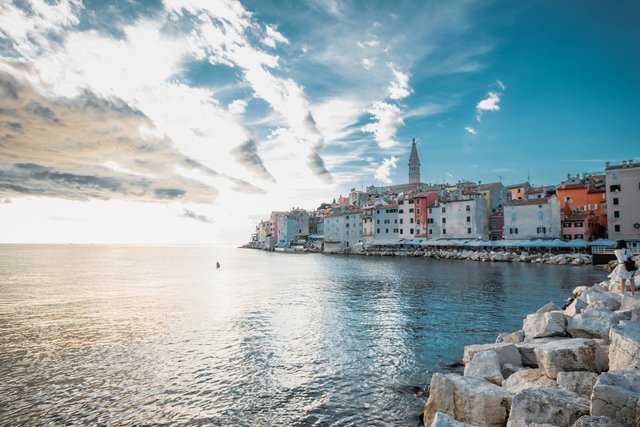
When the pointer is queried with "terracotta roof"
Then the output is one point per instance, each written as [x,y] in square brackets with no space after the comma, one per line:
[524,184]
[576,217]
[535,190]
[566,186]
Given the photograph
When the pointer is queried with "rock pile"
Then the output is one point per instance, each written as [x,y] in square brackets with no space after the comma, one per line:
[575,367]
[506,256]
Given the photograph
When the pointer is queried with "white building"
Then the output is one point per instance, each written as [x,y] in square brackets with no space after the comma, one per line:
[407,227]
[342,231]
[459,219]
[623,202]
[385,222]
[532,219]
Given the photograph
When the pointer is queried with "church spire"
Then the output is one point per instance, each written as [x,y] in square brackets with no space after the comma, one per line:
[414,164]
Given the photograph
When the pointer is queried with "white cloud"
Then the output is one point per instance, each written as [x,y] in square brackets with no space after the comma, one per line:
[273,36]
[387,119]
[369,43]
[471,130]
[500,85]
[367,63]
[399,88]
[238,106]
[490,103]
[383,171]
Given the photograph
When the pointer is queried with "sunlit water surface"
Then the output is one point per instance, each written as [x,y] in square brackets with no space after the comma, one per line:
[157,335]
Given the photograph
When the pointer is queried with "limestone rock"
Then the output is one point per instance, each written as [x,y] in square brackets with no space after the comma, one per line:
[593,323]
[602,354]
[507,353]
[572,354]
[591,421]
[624,350]
[444,420]
[508,369]
[467,399]
[540,325]
[486,365]
[617,395]
[527,353]
[576,306]
[579,382]
[512,338]
[527,378]
[546,405]
[550,306]
[610,300]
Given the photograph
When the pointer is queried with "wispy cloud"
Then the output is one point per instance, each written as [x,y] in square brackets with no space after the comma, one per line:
[383,172]
[490,103]
[386,120]
[186,213]
[471,130]
[399,87]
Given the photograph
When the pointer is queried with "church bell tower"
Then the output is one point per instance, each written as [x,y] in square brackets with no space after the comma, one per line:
[414,164]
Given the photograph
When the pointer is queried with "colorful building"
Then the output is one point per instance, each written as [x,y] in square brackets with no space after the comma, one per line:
[583,209]
[623,202]
[532,219]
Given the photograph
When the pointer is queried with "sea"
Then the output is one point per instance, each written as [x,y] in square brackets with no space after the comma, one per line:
[157,335]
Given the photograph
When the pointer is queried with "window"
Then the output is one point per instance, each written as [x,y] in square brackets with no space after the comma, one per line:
[468,207]
[395,221]
[444,209]
[417,231]
[430,210]
[582,208]
[468,219]
[614,188]
[616,214]
[616,201]
[410,220]
[568,199]
[386,230]
[377,221]
[430,231]
[579,224]
[513,231]
[566,224]
[411,210]
[347,225]
[444,220]
[395,230]
[401,231]
[386,221]
[401,202]
[430,221]
[566,237]
[444,231]
[378,230]
[418,221]
[541,230]
[579,236]
[411,231]
[418,211]
[378,211]
[468,230]
[616,228]
[410,201]
[400,220]
[401,211]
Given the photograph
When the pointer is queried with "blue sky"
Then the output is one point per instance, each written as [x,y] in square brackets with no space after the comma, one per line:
[199,117]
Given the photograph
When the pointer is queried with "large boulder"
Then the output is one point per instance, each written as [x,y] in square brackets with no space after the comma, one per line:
[527,350]
[546,405]
[602,354]
[593,323]
[576,306]
[540,325]
[624,350]
[486,365]
[467,399]
[591,421]
[507,353]
[512,338]
[572,354]
[610,300]
[617,395]
[578,382]
[444,420]
[527,378]
[550,306]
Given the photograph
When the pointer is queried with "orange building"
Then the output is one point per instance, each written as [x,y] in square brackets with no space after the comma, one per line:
[422,202]
[583,209]
[518,191]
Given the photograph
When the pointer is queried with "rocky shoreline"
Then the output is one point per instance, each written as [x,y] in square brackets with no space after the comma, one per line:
[575,366]
[493,256]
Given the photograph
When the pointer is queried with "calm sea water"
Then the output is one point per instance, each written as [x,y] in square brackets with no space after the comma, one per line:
[152,335]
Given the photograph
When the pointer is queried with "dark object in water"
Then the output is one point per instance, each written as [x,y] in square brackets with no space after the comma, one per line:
[217,264]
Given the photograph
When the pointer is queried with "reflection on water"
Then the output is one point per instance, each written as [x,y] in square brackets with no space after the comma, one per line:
[158,335]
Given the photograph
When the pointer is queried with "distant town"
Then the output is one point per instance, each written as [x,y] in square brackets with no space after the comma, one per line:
[587,207]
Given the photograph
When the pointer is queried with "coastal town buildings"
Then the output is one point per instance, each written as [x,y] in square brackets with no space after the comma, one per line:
[385,222]
[623,207]
[465,218]
[342,231]
[518,191]
[583,210]
[532,219]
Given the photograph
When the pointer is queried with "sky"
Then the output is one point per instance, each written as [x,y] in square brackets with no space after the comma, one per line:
[183,121]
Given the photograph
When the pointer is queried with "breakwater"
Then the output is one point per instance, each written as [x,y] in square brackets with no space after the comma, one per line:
[574,366]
